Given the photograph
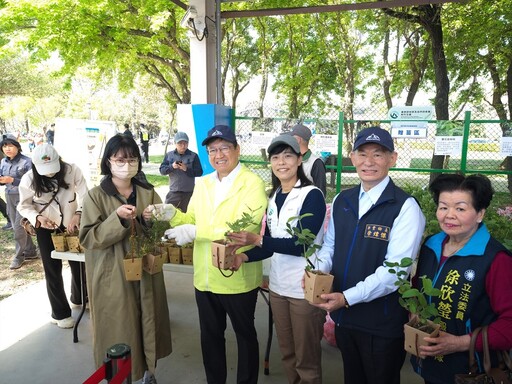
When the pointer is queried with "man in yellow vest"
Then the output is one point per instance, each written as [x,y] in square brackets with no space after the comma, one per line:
[144,141]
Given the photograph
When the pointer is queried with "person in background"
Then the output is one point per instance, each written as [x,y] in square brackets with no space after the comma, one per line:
[12,167]
[218,198]
[314,167]
[474,272]
[59,188]
[144,142]
[370,224]
[183,166]
[50,134]
[3,211]
[127,131]
[299,325]
[132,312]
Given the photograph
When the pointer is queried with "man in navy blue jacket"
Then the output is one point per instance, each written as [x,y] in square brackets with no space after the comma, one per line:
[183,166]
[370,224]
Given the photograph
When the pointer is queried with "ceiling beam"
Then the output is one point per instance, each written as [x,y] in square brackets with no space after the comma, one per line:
[180,4]
[331,8]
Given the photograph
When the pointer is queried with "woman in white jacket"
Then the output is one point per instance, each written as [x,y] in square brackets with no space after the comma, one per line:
[299,325]
[51,196]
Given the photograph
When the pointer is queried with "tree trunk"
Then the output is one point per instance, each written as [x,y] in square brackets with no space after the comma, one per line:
[386,84]
[431,20]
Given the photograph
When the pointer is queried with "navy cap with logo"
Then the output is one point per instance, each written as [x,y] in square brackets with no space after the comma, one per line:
[220,132]
[374,135]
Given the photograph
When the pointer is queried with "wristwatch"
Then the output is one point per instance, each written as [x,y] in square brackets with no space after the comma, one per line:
[346,302]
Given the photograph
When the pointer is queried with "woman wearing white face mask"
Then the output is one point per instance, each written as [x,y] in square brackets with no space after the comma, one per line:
[134,312]
[51,196]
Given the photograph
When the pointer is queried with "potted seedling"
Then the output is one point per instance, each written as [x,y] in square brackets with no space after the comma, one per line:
[222,259]
[173,250]
[151,247]
[316,282]
[424,320]
[73,242]
[59,240]
[187,253]
[133,262]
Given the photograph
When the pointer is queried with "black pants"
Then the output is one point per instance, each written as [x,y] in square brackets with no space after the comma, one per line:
[3,209]
[145,149]
[240,308]
[370,359]
[53,275]
[178,199]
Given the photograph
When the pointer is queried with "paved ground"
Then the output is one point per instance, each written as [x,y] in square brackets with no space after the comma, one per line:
[34,351]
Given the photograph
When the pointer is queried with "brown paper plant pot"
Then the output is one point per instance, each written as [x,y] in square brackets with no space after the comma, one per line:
[174,255]
[162,248]
[220,259]
[414,335]
[59,242]
[133,268]
[73,244]
[317,283]
[153,262]
[186,255]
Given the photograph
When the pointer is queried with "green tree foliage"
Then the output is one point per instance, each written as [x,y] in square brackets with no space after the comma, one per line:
[479,50]
[121,38]
[20,77]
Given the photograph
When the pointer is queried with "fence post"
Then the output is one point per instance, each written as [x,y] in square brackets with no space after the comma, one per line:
[465,140]
[340,151]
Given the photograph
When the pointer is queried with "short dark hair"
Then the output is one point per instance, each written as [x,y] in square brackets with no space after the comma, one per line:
[119,143]
[276,183]
[478,186]
[126,125]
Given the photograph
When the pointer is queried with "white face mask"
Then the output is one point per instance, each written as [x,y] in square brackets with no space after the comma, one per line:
[124,172]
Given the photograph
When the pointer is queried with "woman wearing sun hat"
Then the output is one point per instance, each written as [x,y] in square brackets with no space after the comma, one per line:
[62,187]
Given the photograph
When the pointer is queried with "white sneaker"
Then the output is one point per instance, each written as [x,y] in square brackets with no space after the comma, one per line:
[68,322]
[148,378]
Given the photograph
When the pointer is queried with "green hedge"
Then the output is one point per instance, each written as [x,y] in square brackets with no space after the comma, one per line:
[482,164]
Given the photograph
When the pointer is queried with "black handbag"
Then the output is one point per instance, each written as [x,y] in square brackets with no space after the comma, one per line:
[502,374]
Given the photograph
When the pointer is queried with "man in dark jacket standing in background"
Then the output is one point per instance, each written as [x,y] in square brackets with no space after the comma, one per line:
[182,165]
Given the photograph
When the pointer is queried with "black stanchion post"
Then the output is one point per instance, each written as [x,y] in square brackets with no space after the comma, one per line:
[117,353]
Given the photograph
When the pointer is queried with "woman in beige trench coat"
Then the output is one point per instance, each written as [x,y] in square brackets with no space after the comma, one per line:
[130,312]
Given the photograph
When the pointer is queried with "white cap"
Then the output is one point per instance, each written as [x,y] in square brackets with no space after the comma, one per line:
[46,159]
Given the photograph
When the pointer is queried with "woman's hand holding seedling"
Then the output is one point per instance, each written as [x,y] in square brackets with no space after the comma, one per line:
[239,260]
[244,238]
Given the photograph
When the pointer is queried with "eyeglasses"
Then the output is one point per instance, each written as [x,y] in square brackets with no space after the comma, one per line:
[120,162]
[213,151]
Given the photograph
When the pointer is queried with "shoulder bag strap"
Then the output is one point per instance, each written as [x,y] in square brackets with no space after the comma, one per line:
[48,203]
[487,356]
[473,367]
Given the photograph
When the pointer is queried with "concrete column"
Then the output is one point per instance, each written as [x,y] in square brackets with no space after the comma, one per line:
[203,55]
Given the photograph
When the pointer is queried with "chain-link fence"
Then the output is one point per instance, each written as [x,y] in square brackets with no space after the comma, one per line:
[469,145]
